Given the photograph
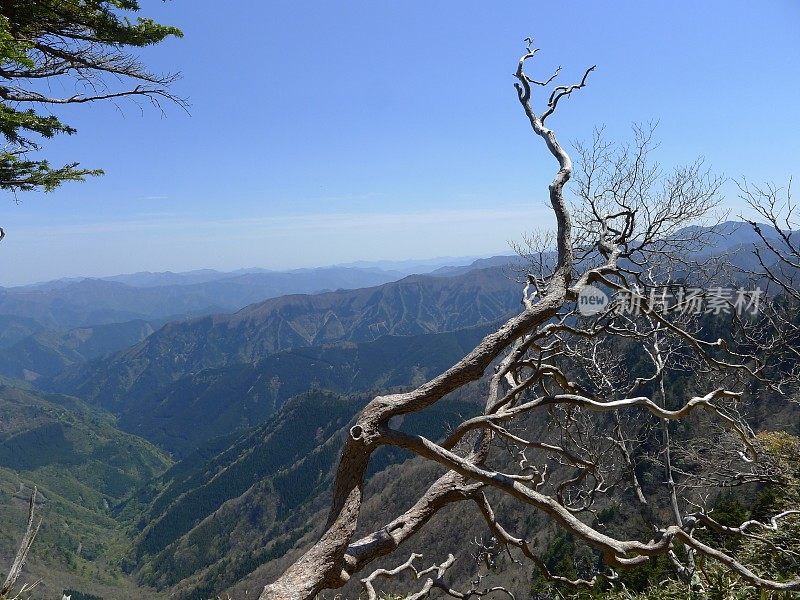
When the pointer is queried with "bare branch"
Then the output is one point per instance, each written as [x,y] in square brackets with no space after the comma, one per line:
[24,548]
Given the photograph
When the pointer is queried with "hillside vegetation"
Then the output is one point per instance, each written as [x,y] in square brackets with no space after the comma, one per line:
[83,466]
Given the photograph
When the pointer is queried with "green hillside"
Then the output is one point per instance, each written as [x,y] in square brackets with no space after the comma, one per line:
[83,466]
[14,329]
[207,522]
[197,407]
[66,445]
[47,353]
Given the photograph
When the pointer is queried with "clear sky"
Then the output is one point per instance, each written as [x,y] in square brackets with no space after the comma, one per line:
[326,132]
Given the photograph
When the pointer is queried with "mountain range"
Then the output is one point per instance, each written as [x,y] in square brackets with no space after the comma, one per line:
[67,304]
[184,427]
[413,305]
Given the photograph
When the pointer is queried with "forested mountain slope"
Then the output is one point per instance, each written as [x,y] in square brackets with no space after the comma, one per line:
[83,466]
[48,352]
[217,515]
[414,305]
[208,524]
[14,329]
[66,444]
[184,413]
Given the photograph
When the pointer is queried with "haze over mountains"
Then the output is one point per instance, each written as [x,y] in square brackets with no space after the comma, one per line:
[232,373]
[413,305]
[70,320]
[215,405]
[67,304]
[393,268]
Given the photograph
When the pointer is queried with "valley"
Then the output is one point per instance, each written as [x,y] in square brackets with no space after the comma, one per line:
[230,411]
[194,456]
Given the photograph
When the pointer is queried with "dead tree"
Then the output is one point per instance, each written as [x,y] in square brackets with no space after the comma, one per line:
[778,258]
[626,237]
[32,528]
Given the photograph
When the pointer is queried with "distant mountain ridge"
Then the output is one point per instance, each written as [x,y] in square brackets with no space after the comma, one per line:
[480,263]
[181,415]
[175,366]
[412,306]
[157,279]
[394,268]
[89,302]
[117,312]
[412,266]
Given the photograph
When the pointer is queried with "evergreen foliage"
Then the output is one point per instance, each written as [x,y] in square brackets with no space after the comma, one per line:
[84,42]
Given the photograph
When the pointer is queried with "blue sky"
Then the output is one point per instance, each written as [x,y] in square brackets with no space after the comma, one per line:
[326,132]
